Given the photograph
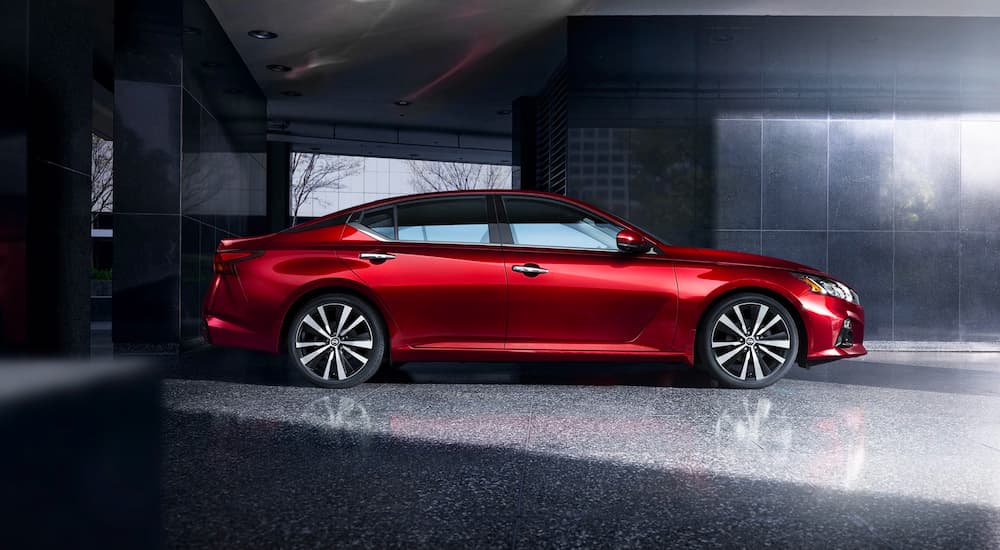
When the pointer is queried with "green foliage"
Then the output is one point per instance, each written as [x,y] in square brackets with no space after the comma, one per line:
[100,274]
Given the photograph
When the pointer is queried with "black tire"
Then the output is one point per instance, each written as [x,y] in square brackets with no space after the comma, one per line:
[748,351]
[327,351]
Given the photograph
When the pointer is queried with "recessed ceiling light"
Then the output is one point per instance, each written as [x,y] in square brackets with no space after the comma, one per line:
[403,103]
[291,93]
[278,68]
[192,31]
[212,64]
[504,112]
[263,35]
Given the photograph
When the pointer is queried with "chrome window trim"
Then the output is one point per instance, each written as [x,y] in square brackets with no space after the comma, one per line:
[369,232]
[385,239]
[652,251]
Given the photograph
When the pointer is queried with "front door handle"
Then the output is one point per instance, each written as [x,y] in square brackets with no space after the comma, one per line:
[530,270]
[376,257]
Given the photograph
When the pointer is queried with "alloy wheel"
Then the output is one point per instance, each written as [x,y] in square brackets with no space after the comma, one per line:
[751,341]
[334,341]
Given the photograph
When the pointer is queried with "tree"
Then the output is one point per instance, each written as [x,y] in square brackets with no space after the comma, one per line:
[101,161]
[428,176]
[312,173]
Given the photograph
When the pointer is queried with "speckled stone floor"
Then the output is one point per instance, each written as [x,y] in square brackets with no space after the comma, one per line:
[846,455]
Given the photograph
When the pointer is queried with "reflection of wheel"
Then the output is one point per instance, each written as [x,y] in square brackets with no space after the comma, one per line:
[337,341]
[339,413]
[748,341]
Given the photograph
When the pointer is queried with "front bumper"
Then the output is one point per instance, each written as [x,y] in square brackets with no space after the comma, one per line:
[829,337]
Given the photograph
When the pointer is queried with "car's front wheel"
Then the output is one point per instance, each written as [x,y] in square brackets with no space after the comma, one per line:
[748,341]
[337,341]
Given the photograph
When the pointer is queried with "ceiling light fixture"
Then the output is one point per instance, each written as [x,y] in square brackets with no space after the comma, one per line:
[263,35]
[277,125]
[403,103]
[274,67]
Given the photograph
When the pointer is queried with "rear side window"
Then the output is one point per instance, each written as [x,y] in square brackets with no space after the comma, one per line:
[459,220]
[549,224]
[380,221]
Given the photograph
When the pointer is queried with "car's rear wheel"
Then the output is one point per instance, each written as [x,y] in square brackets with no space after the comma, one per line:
[337,341]
[748,341]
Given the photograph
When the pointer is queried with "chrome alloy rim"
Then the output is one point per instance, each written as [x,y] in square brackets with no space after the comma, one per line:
[750,340]
[334,340]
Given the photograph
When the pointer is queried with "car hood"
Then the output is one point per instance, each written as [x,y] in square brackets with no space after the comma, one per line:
[710,255]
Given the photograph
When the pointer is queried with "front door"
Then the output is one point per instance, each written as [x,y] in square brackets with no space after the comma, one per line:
[571,289]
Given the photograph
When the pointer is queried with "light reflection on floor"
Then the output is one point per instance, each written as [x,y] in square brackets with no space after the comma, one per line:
[803,462]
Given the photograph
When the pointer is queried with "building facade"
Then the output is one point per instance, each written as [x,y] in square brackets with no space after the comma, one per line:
[862,146]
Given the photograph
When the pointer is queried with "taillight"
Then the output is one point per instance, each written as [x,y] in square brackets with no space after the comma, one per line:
[224,260]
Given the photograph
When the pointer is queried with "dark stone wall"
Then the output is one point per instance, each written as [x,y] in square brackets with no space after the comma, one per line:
[190,131]
[863,146]
[46,48]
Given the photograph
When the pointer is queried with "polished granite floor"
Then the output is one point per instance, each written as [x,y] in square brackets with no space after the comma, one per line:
[846,455]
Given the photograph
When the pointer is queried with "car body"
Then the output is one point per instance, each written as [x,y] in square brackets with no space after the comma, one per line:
[541,283]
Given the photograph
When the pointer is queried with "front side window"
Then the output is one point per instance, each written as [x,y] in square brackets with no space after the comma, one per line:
[545,223]
[459,220]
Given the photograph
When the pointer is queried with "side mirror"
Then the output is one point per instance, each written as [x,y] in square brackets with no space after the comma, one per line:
[631,242]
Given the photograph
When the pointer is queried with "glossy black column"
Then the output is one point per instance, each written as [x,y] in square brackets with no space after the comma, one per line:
[279,180]
[47,52]
[146,282]
[523,148]
[189,166]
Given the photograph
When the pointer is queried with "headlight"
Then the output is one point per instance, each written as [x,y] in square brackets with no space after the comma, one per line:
[829,287]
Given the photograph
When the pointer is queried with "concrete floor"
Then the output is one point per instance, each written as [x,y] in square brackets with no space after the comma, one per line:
[893,450]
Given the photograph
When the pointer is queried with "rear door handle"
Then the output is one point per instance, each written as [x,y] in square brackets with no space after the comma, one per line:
[531,270]
[376,256]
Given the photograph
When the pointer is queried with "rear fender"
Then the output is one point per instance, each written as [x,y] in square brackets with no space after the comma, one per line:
[344,282]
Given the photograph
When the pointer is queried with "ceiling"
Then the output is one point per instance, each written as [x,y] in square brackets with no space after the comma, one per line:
[459,63]
[927,8]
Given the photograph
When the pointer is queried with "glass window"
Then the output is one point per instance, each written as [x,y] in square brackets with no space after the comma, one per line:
[459,220]
[550,224]
[380,221]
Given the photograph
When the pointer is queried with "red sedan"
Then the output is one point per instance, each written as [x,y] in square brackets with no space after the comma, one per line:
[517,276]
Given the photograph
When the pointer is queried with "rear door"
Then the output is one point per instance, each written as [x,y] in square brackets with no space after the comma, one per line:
[437,267]
[570,288]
